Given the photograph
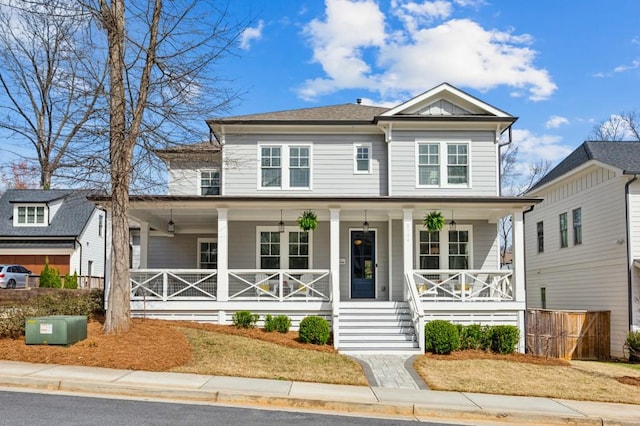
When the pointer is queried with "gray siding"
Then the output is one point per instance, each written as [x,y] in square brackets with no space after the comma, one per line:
[184,176]
[397,260]
[178,252]
[634,247]
[482,160]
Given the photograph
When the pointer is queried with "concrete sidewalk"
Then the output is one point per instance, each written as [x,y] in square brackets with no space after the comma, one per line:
[409,403]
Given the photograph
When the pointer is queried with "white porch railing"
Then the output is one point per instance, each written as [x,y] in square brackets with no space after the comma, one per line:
[415,307]
[174,284]
[293,285]
[463,285]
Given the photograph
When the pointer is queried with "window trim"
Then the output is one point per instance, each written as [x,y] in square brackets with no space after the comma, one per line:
[284,245]
[443,163]
[16,207]
[573,226]
[200,171]
[355,158]
[205,240]
[444,244]
[284,166]
[563,232]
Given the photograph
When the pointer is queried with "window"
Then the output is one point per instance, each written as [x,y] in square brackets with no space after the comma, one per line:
[564,240]
[459,249]
[429,164]
[30,216]
[290,249]
[299,167]
[540,232]
[362,159]
[100,225]
[543,297]
[429,250]
[271,166]
[446,249]
[207,253]
[209,182]
[457,164]
[285,166]
[577,226]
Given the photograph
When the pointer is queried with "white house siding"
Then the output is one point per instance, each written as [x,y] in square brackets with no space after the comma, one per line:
[93,248]
[332,159]
[184,176]
[593,275]
[482,158]
[634,247]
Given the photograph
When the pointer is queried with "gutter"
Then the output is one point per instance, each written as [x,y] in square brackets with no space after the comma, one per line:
[629,260]
[80,244]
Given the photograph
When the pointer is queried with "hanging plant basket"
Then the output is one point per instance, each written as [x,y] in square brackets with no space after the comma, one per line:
[434,221]
[308,220]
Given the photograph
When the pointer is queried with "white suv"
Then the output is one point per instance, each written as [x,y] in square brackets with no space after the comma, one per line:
[12,276]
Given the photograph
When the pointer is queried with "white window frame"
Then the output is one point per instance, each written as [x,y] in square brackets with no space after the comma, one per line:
[16,208]
[284,245]
[205,240]
[443,152]
[356,146]
[444,245]
[200,171]
[285,184]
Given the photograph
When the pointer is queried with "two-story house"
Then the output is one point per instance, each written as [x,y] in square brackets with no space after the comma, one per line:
[226,237]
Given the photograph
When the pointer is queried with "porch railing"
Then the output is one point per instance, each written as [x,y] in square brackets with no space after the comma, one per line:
[174,284]
[415,308]
[292,285]
[463,285]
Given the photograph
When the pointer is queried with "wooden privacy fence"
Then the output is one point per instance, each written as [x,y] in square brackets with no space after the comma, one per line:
[568,334]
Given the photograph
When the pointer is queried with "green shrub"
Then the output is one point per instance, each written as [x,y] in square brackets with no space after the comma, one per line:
[244,319]
[71,281]
[503,339]
[279,323]
[67,303]
[633,345]
[314,330]
[441,337]
[50,277]
[12,320]
[97,296]
[473,336]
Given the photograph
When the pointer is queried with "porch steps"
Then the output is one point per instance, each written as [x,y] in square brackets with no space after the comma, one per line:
[376,327]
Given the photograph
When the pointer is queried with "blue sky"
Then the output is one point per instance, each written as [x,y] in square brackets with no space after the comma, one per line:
[560,66]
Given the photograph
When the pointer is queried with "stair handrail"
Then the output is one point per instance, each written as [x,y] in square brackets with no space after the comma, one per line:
[415,307]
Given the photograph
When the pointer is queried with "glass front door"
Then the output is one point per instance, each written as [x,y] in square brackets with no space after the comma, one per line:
[363,265]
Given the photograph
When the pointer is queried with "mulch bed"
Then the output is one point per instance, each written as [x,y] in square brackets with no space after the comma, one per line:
[515,357]
[635,381]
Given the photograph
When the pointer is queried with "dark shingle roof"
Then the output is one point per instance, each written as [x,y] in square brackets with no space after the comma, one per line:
[622,155]
[189,148]
[343,112]
[69,221]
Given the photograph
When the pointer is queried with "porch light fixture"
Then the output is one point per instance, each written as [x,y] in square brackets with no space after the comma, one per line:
[365,224]
[281,223]
[171,227]
[452,224]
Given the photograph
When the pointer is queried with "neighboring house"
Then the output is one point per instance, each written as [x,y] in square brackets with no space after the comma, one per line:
[583,240]
[60,225]
[225,238]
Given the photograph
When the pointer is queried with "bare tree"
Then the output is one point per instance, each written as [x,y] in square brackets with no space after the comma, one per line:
[52,82]
[18,175]
[621,127]
[159,82]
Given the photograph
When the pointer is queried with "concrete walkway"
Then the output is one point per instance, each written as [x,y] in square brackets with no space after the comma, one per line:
[424,405]
[390,371]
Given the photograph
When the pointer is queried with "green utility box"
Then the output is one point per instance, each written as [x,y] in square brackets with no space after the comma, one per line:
[55,330]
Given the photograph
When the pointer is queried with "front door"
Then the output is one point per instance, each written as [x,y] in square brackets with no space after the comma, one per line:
[363,264]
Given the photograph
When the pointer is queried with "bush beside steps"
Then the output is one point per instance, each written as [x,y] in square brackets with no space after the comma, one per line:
[443,337]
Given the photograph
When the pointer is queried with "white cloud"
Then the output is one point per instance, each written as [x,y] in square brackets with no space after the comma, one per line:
[534,147]
[622,68]
[251,34]
[556,121]
[356,48]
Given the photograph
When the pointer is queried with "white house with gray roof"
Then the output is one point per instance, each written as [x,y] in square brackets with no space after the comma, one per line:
[583,240]
[225,238]
[60,225]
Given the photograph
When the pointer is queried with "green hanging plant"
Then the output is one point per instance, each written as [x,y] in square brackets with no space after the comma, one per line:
[434,221]
[308,220]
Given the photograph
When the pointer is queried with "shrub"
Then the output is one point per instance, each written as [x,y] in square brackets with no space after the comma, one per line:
[473,336]
[279,323]
[441,337]
[503,339]
[97,296]
[12,321]
[67,303]
[244,319]
[633,345]
[314,330]
[71,281]
[50,277]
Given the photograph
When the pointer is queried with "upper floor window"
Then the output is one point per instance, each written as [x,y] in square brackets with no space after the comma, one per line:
[442,164]
[564,238]
[362,158]
[35,215]
[276,159]
[577,226]
[540,236]
[209,182]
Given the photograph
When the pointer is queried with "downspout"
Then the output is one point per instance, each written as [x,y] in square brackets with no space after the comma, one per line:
[629,260]
[80,244]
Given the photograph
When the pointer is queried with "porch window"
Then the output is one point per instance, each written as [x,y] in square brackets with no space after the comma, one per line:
[459,249]
[540,234]
[30,216]
[362,159]
[209,182]
[447,249]
[207,253]
[290,249]
[429,164]
[299,167]
[298,250]
[271,166]
[577,226]
[564,239]
[270,250]
[457,164]
[429,250]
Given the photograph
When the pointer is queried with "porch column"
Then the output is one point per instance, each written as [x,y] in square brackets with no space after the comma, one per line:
[223,258]
[407,242]
[517,234]
[334,267]
[144,245]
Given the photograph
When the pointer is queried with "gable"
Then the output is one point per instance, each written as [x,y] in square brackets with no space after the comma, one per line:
[443,107]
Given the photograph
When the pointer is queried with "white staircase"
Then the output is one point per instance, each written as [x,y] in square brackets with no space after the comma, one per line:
[376,327]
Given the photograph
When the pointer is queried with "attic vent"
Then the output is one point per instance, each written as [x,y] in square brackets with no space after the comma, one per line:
[359,101]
